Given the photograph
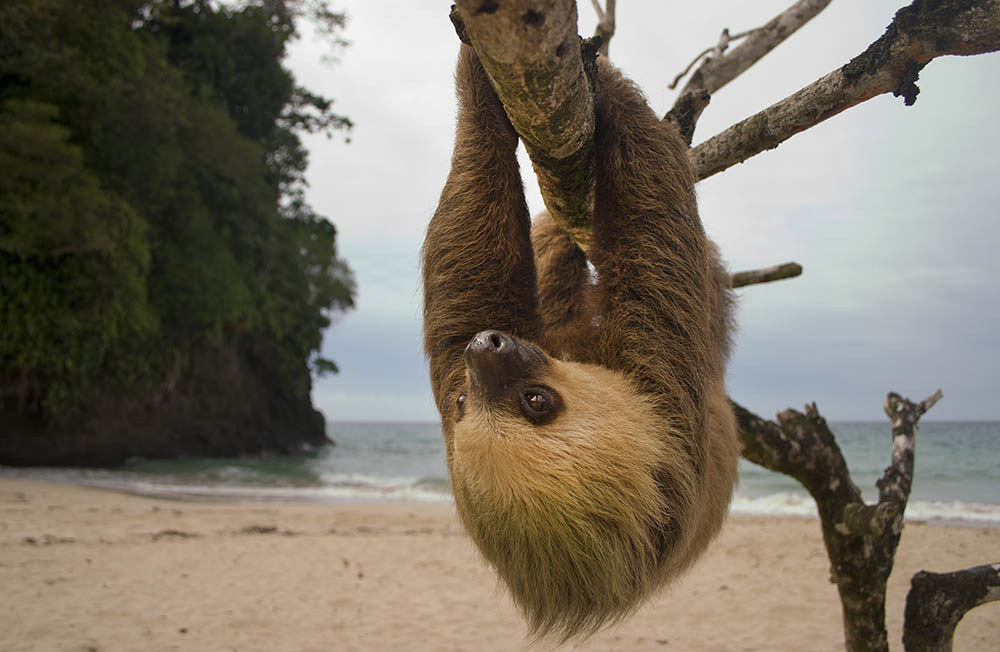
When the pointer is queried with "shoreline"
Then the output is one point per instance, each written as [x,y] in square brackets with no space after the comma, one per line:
[803,506]
[97,569]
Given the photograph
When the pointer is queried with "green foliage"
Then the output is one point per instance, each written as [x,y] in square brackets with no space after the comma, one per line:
[151,185]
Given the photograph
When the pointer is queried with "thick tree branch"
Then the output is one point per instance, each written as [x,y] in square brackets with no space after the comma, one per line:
[531,51]
[802,446]
[918,33]
[766,275]
[937,601]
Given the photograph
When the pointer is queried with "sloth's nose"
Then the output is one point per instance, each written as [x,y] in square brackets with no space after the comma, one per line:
[495,359]
[496,342]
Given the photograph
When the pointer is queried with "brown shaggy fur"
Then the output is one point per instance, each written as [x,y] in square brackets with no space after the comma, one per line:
[626,482]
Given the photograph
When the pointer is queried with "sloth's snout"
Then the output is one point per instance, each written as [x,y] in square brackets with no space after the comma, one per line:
[496,359]
[492,342]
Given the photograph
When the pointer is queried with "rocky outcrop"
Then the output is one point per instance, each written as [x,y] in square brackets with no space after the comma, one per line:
[225,405]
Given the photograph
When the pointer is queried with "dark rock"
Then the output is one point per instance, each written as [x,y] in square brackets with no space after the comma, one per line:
[226,405]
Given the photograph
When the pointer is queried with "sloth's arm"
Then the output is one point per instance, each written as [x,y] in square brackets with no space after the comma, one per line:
[477,261]
[655,264]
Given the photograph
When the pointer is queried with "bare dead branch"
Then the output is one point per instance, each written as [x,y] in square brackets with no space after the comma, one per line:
[861,540]
[686,111]
[799,445]
[918,33]
[605,24]
[936,603]
[721,68]
[894,485]
[698,57]
[531,51]
[766,275]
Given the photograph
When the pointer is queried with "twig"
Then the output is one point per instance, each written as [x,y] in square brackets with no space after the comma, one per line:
[722,68]
[605,24]
[718,50]
[682,74]
[766,275]
[917,34]
[937,601]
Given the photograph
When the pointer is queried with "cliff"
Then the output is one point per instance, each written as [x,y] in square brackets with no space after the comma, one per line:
[226,405]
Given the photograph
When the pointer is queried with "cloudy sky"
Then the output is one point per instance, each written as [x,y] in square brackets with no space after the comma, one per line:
[892,210]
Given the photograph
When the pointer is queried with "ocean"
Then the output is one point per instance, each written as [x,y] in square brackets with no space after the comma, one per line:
[956,479]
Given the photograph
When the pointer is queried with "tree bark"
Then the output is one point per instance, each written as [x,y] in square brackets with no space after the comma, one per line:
[937,601]
[532,54]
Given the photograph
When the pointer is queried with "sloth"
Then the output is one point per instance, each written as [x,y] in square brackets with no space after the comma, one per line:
[591,447]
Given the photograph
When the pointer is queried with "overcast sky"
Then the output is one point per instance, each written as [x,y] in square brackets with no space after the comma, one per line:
[892,210]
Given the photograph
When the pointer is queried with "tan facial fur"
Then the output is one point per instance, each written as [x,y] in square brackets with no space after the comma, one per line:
[554,506]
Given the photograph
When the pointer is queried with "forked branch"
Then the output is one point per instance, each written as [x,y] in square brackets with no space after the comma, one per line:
[861,539]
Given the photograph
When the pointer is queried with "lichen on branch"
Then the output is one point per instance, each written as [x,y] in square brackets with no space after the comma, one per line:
[532,54]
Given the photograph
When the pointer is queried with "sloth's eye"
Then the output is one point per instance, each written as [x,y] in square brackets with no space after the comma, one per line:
[536,402]
[460,404]
[539,405]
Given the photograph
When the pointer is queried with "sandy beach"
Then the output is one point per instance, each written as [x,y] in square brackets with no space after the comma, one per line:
[86,569]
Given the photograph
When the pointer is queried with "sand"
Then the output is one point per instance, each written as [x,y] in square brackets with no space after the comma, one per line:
[85,569]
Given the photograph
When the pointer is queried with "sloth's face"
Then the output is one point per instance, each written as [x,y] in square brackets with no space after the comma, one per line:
[506,381]
[555,468]
[532,427]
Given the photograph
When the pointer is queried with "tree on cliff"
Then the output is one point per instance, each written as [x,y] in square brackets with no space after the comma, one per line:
[540,71]
[157,256]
